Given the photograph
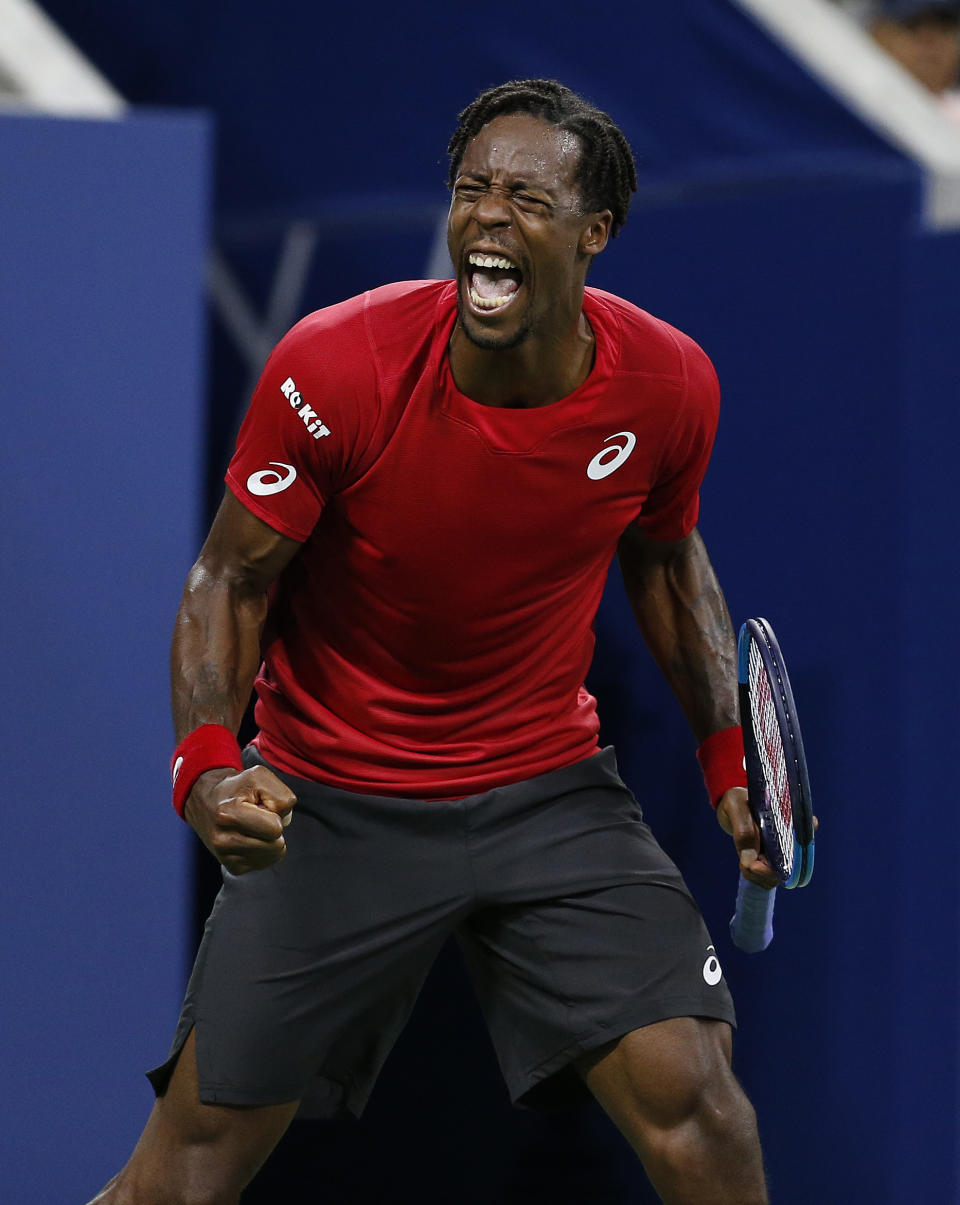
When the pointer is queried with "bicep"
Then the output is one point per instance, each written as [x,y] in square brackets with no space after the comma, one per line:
[243,548]
[216,641]
[671,586]
[683,618]
[646,563]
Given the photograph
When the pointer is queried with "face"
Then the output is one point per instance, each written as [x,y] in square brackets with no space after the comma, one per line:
[929,48]
[518,236]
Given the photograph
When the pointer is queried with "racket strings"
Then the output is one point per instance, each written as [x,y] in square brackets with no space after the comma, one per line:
[778,805]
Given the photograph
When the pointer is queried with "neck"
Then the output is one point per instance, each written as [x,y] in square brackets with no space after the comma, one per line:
[540,370]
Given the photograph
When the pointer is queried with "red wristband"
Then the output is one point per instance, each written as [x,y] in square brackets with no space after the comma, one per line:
[721,760]
[209,747]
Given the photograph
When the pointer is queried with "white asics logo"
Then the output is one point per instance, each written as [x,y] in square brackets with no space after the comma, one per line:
[712,972]
[610,459]
[269,481]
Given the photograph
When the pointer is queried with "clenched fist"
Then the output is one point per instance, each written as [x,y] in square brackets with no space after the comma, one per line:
[240,816]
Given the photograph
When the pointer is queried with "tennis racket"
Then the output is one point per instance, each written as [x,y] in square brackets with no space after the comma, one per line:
[777,782]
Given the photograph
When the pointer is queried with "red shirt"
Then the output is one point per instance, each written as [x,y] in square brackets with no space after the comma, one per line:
[432,636]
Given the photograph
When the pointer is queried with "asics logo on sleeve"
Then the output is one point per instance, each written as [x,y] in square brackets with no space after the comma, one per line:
[269,481]
[712,971]
[610,459]
[304,411]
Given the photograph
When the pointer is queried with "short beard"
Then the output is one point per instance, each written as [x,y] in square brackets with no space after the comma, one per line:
[490,342]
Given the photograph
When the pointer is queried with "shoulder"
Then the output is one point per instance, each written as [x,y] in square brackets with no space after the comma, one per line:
[403,319]
[358,317]
[357,337]
[406,297]
[333,388]
[649,346]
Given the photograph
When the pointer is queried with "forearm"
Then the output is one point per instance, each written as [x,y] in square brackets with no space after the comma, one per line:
[215,651]
[683,617]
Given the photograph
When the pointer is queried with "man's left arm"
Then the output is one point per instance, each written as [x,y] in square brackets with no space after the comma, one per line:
[683,617]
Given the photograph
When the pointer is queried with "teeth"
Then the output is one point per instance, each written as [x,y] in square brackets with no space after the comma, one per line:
[490,261]
[489,303]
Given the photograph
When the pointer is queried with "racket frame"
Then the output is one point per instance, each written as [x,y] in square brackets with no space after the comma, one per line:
[759,632]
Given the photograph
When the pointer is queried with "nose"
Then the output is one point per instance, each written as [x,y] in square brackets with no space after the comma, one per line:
[493,208]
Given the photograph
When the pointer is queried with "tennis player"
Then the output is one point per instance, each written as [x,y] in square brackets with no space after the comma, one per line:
[425,497]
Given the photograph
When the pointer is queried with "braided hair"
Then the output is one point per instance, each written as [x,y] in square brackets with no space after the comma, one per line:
[606,174]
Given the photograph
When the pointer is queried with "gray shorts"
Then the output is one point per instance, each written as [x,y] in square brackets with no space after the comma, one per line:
[576,928]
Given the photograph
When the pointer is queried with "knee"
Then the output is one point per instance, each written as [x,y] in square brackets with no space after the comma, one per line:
[707,1148]
[710,1114]
[672,1091]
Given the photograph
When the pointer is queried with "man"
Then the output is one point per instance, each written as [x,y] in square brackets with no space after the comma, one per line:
[924,37]
[425,497]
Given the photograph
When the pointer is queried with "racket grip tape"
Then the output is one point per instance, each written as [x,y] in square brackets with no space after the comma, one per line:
[751,925]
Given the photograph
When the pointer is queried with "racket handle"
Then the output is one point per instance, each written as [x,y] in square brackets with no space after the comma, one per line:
[751,925]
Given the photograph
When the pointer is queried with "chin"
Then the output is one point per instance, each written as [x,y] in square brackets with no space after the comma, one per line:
[488,337]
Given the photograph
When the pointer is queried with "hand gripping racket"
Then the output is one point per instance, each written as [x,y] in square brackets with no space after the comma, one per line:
[777,782]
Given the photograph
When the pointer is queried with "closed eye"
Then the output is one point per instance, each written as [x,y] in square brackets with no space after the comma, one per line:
[471,190]
[468,190]
[529,201]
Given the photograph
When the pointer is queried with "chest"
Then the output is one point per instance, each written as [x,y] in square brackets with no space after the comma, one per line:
[554,487]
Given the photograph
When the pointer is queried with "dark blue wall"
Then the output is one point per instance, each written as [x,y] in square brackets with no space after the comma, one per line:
[104,227]
[923,692]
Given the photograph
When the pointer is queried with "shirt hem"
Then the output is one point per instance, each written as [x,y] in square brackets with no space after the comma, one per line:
[418,788]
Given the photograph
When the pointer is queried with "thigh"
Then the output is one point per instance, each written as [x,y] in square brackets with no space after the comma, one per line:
[671,1091]
[194,1151]
[308,969]
[590,932]
[561,977]
[657,1076]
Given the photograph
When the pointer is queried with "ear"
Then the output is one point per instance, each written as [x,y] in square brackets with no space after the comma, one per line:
[595,235]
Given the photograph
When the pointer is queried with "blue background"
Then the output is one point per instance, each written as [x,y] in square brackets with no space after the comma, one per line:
[101,345]
[781,233]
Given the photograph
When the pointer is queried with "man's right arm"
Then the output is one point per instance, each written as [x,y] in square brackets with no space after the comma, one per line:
[214,658]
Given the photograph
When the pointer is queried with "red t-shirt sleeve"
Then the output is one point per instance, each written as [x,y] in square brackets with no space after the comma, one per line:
[310,423]
[672,507]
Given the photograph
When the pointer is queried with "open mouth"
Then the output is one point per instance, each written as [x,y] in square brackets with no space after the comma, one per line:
[493,281]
